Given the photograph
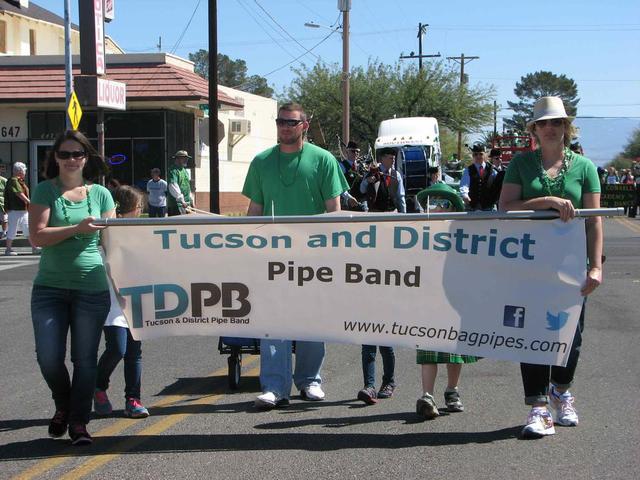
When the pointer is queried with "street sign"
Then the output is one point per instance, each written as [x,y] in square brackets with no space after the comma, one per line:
[111,94]
[74,111]
[100,92]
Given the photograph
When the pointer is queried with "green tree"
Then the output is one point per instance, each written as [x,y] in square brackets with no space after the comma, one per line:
[231,73]
[632,149]
[540,84]
[380,91]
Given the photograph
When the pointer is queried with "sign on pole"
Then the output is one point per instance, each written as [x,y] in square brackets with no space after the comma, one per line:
[74,110]
[109,10]
[101,92]
[92,53]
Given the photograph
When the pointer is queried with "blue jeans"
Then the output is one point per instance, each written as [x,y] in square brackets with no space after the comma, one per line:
[535,378]
[159,212]
[275,365]
[54,311]
[120,344]
[369,365]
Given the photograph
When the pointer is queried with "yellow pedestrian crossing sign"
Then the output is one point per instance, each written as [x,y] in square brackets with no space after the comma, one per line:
[74,111]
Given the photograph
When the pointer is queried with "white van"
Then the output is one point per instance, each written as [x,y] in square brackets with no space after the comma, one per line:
[417,141]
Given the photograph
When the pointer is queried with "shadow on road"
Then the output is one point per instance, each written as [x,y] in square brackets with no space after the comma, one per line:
[316,442]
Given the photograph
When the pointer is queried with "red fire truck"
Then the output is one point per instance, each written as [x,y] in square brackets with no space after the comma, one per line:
[512,144]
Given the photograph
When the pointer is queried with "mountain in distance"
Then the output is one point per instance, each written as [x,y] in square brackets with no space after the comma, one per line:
[604,138]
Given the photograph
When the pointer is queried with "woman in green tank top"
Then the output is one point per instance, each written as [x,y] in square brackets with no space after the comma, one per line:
[70,291]
[554,177]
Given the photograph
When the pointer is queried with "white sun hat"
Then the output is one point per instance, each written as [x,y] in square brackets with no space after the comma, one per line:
[547,108]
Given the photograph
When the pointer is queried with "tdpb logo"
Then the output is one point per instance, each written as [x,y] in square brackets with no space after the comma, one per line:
[513,316]
[231,294]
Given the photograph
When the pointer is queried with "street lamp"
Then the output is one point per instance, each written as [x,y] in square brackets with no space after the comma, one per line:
[344,6]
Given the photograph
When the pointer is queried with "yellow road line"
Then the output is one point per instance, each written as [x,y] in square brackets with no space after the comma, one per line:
[116,428]
[634,227]
[140,437]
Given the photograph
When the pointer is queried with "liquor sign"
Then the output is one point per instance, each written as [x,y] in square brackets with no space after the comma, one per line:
[92,50]
[109,10]
[101,92]
[111,94]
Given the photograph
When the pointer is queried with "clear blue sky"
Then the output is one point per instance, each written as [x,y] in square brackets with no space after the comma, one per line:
[594,42]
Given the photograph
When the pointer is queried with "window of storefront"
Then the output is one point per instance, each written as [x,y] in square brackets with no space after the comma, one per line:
[135,142]
[12,152]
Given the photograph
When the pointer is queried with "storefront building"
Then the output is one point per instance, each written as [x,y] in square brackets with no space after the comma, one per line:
[164,99]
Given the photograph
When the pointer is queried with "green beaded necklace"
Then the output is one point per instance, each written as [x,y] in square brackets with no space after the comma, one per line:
[557,183]
[65,213]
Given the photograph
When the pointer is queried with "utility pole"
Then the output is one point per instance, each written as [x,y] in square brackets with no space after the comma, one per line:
[344,6]
[461,60]
[422,30]
[68,75]
[214,164]
[495,119]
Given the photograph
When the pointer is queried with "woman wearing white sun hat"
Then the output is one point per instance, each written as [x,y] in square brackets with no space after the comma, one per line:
[554,177]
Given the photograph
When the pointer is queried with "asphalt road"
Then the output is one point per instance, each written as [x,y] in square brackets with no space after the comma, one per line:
[200,429]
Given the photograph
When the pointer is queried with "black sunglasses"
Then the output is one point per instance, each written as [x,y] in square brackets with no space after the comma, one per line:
[289,122]
[64,155]
[556,122]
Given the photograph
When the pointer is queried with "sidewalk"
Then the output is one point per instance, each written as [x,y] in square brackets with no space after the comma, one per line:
[20,245]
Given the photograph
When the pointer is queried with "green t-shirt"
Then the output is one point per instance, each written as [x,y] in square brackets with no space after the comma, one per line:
[3,183]
[15,186]
[580,178]
[294,183]
[75,263]
[180,177]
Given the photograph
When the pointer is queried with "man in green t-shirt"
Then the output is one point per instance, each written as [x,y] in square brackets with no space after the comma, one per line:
[179,181]
[3,214]
[292,178]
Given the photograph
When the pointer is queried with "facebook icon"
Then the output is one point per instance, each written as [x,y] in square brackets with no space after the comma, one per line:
[513,316]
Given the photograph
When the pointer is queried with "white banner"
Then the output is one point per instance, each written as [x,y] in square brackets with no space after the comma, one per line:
[505,289]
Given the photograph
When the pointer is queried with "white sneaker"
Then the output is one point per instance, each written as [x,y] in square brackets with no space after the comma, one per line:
[562,405]
[539,423]
[312,393]
[10,253]
[269,400]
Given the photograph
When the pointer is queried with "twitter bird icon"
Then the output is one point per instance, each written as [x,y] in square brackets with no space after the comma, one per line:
[556,322]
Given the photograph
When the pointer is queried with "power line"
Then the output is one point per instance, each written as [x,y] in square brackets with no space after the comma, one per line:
[284,30]
[173,50]
[250,13]
[294,60]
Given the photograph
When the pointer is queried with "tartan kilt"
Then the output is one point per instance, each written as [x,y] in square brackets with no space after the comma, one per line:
[428,356]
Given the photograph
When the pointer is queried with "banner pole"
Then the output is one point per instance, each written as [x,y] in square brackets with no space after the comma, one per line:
[349,217]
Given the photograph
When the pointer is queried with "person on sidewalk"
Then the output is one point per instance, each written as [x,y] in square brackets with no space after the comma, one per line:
[554,177]
[292,178]
[179,185]
[157,189]
[16,203]
[119,343]
[3,213]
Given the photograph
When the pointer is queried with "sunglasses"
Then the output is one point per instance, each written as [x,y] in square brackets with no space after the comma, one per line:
[65,155]
[289,122]
[439,203]
[555,122]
